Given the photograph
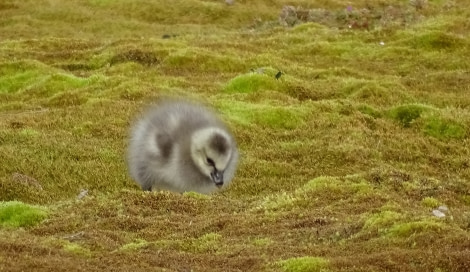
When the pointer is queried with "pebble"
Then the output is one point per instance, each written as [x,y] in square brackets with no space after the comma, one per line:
[82,194]
[438,214]
[443,209]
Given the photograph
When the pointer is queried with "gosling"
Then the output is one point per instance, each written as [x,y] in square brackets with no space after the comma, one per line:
[181,146]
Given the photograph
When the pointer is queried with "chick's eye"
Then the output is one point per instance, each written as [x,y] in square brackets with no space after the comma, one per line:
[210,161]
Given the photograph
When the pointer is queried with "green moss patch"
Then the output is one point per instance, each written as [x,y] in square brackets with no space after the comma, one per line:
[407,229]
[430,202]
[436,40]
[337,187]
[195,195]
[16,76]
[206,243]
[262,242]
[444,129]
[58,82]
[28,133]
[283,201]
[252,82]
[39,79]
[264,115]
[406,114]
[17,214]
[76,249]
[381,222]
[368,110]
[319,191]
[136,245]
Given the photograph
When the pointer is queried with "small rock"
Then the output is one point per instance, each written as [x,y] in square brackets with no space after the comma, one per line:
[230,2]
[438,214]
[82,194]
[443,209]
[382,43]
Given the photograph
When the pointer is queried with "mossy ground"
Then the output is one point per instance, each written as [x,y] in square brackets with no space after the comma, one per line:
[344,156]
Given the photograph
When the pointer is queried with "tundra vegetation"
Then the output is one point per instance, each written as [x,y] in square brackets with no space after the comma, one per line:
[355,158]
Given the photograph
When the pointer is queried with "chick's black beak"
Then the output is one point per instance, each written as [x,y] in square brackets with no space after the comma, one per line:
[218,177]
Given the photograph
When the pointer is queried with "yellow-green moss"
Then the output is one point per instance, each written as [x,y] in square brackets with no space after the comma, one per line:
[76,249]
[406,114]
[465,199]
[430,202]
[58,82]
[136,245]
[252,82]
[444,129]
[406,229]
[262,242]
[276,117]
[336,186]
[277,202]
[366,109]
[374,92]
[16,214]
[436,40]
[195,195]
[29,133]
[39,79]
[382,221]
[206,243]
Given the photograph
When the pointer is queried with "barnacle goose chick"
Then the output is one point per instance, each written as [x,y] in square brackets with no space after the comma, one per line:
[181,146]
